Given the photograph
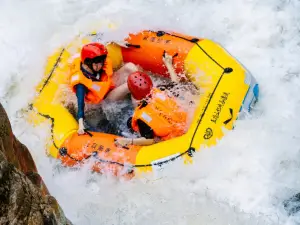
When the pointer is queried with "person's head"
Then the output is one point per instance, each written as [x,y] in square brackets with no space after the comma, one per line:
[139,84]
[93,55]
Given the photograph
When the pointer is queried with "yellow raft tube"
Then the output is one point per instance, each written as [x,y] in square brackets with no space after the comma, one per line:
[228,90]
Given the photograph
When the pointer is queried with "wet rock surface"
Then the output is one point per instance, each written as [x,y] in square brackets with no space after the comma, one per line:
[24,198]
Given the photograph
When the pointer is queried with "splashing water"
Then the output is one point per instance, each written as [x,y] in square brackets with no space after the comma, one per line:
[242,180]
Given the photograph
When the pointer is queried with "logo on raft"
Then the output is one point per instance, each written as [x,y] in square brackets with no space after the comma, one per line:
[219,108]
[208,133]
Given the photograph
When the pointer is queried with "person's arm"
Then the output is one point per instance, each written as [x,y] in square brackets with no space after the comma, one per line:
[135,141]
[81,91]
[168,61]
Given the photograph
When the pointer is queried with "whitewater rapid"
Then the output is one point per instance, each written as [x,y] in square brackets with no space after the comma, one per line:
[242,180]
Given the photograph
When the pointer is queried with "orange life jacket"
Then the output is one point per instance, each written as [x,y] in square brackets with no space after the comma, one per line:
[162,114]
[97,89]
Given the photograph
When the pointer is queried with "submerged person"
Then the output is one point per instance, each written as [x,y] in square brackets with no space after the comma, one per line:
[93,80]
[157,116]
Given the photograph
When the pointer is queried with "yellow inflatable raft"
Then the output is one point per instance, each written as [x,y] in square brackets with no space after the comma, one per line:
[228,90]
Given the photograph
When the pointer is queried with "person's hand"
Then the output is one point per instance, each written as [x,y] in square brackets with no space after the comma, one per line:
[123,141]
[81,127]
[122,43]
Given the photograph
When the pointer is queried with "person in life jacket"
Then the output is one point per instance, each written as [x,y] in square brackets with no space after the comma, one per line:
[92,78]
[157,116]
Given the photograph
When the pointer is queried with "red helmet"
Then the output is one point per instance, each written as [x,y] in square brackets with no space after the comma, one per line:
[139,84]
[93,50]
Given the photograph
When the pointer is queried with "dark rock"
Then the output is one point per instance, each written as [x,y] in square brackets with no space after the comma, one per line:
[24,198]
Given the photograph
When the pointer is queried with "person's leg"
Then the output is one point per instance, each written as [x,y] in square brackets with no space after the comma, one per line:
[120,81]
[118,93]
[120,76]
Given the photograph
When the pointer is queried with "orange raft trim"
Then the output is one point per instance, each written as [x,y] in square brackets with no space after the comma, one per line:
[146,49]
[108,156]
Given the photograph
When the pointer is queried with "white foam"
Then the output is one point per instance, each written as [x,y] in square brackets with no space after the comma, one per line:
[242,180]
